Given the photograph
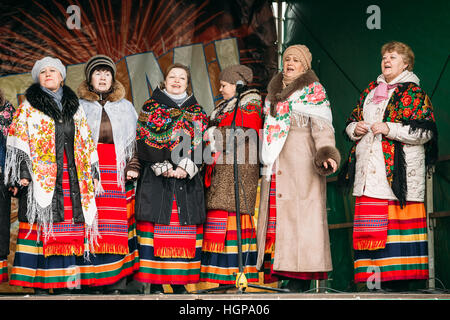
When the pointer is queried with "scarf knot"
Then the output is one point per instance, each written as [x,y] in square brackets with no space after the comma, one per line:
[381,92]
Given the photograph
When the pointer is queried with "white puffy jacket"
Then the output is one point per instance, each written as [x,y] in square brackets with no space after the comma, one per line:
[370,171]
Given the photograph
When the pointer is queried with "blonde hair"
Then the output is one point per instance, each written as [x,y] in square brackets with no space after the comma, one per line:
[162,85]
[402,49]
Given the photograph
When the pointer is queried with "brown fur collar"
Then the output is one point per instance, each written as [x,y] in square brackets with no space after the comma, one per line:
[275,90]
[117,93]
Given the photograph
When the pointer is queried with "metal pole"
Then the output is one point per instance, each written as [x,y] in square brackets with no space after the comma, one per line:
[280,31]
[431,224]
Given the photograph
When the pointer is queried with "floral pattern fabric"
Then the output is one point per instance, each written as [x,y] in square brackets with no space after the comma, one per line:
[408,103]
[161,126]
[6,116]
[32,133]
[310,101]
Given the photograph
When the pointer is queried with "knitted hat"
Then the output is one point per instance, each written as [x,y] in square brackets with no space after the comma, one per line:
[98,61]
[302,52]
[47,62]
[233,74]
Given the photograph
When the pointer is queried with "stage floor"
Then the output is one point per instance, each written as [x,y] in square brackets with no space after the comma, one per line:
[234,297]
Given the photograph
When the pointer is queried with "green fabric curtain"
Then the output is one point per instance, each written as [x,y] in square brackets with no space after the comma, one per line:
[345,42]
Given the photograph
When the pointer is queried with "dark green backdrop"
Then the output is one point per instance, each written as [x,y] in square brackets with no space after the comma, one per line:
[346,57]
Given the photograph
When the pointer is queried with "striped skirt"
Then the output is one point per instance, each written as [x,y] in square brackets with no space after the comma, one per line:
[157,268]
[405,256]
[32,268]
[222,267]
[3,271]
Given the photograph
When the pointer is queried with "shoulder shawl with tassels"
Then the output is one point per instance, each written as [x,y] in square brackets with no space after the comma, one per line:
[161,122]
[6,115]
[249,115]
[306,95]
[31,139]
[122,116]
[408,105]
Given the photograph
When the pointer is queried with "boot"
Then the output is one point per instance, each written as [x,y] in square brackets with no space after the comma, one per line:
[298,285]
[41,292]
[178,289]
[156,289]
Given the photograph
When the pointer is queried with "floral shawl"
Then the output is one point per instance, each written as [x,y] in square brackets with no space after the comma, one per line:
[250,109]
[6,116]
[161,123]
[308,101]
[32,139]
[408,105]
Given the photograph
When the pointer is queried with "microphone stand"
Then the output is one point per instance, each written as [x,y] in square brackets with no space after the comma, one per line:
[241,280]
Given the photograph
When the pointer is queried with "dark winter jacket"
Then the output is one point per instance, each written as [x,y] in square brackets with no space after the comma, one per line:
[64,142]
[154,195]
[6,115]
[220,195]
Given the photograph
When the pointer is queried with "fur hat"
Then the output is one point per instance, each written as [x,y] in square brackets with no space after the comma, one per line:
[302,52]
[47,62]
[233,74]
[99,61]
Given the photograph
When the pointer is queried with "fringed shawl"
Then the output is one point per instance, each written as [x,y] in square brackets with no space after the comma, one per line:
[6,117]
[31,140]
[408,105]
[122,116]
[305,97]
[163,125]
[250,115]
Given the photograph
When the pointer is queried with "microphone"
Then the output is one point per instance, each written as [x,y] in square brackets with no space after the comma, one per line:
[239,86]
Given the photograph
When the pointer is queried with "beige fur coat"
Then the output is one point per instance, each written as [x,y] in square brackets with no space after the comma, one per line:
[302,240]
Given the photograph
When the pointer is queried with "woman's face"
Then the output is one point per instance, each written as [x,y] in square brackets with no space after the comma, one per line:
[50,78]
[292,67]
[392,65]
[176,81]
[101,80]
[228,90]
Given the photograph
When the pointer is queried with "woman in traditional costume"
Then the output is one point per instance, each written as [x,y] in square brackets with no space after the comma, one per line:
[220,251]
[298,152]
[52,162]
[6,116]
[112,120]
[170,205]
[394,140]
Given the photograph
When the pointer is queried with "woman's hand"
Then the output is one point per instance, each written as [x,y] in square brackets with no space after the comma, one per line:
[14,190]
[23,183]
[361,128]
[178,173]
[131,174]
[168,173]
[380,127]
[330,163]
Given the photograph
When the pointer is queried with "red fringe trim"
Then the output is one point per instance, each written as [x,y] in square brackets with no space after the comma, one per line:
[369,245]
[63,250]
[112,249]
[211,246]
[270,243]
[171,252]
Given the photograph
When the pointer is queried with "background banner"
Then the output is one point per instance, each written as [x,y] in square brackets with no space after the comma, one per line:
[142,37]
